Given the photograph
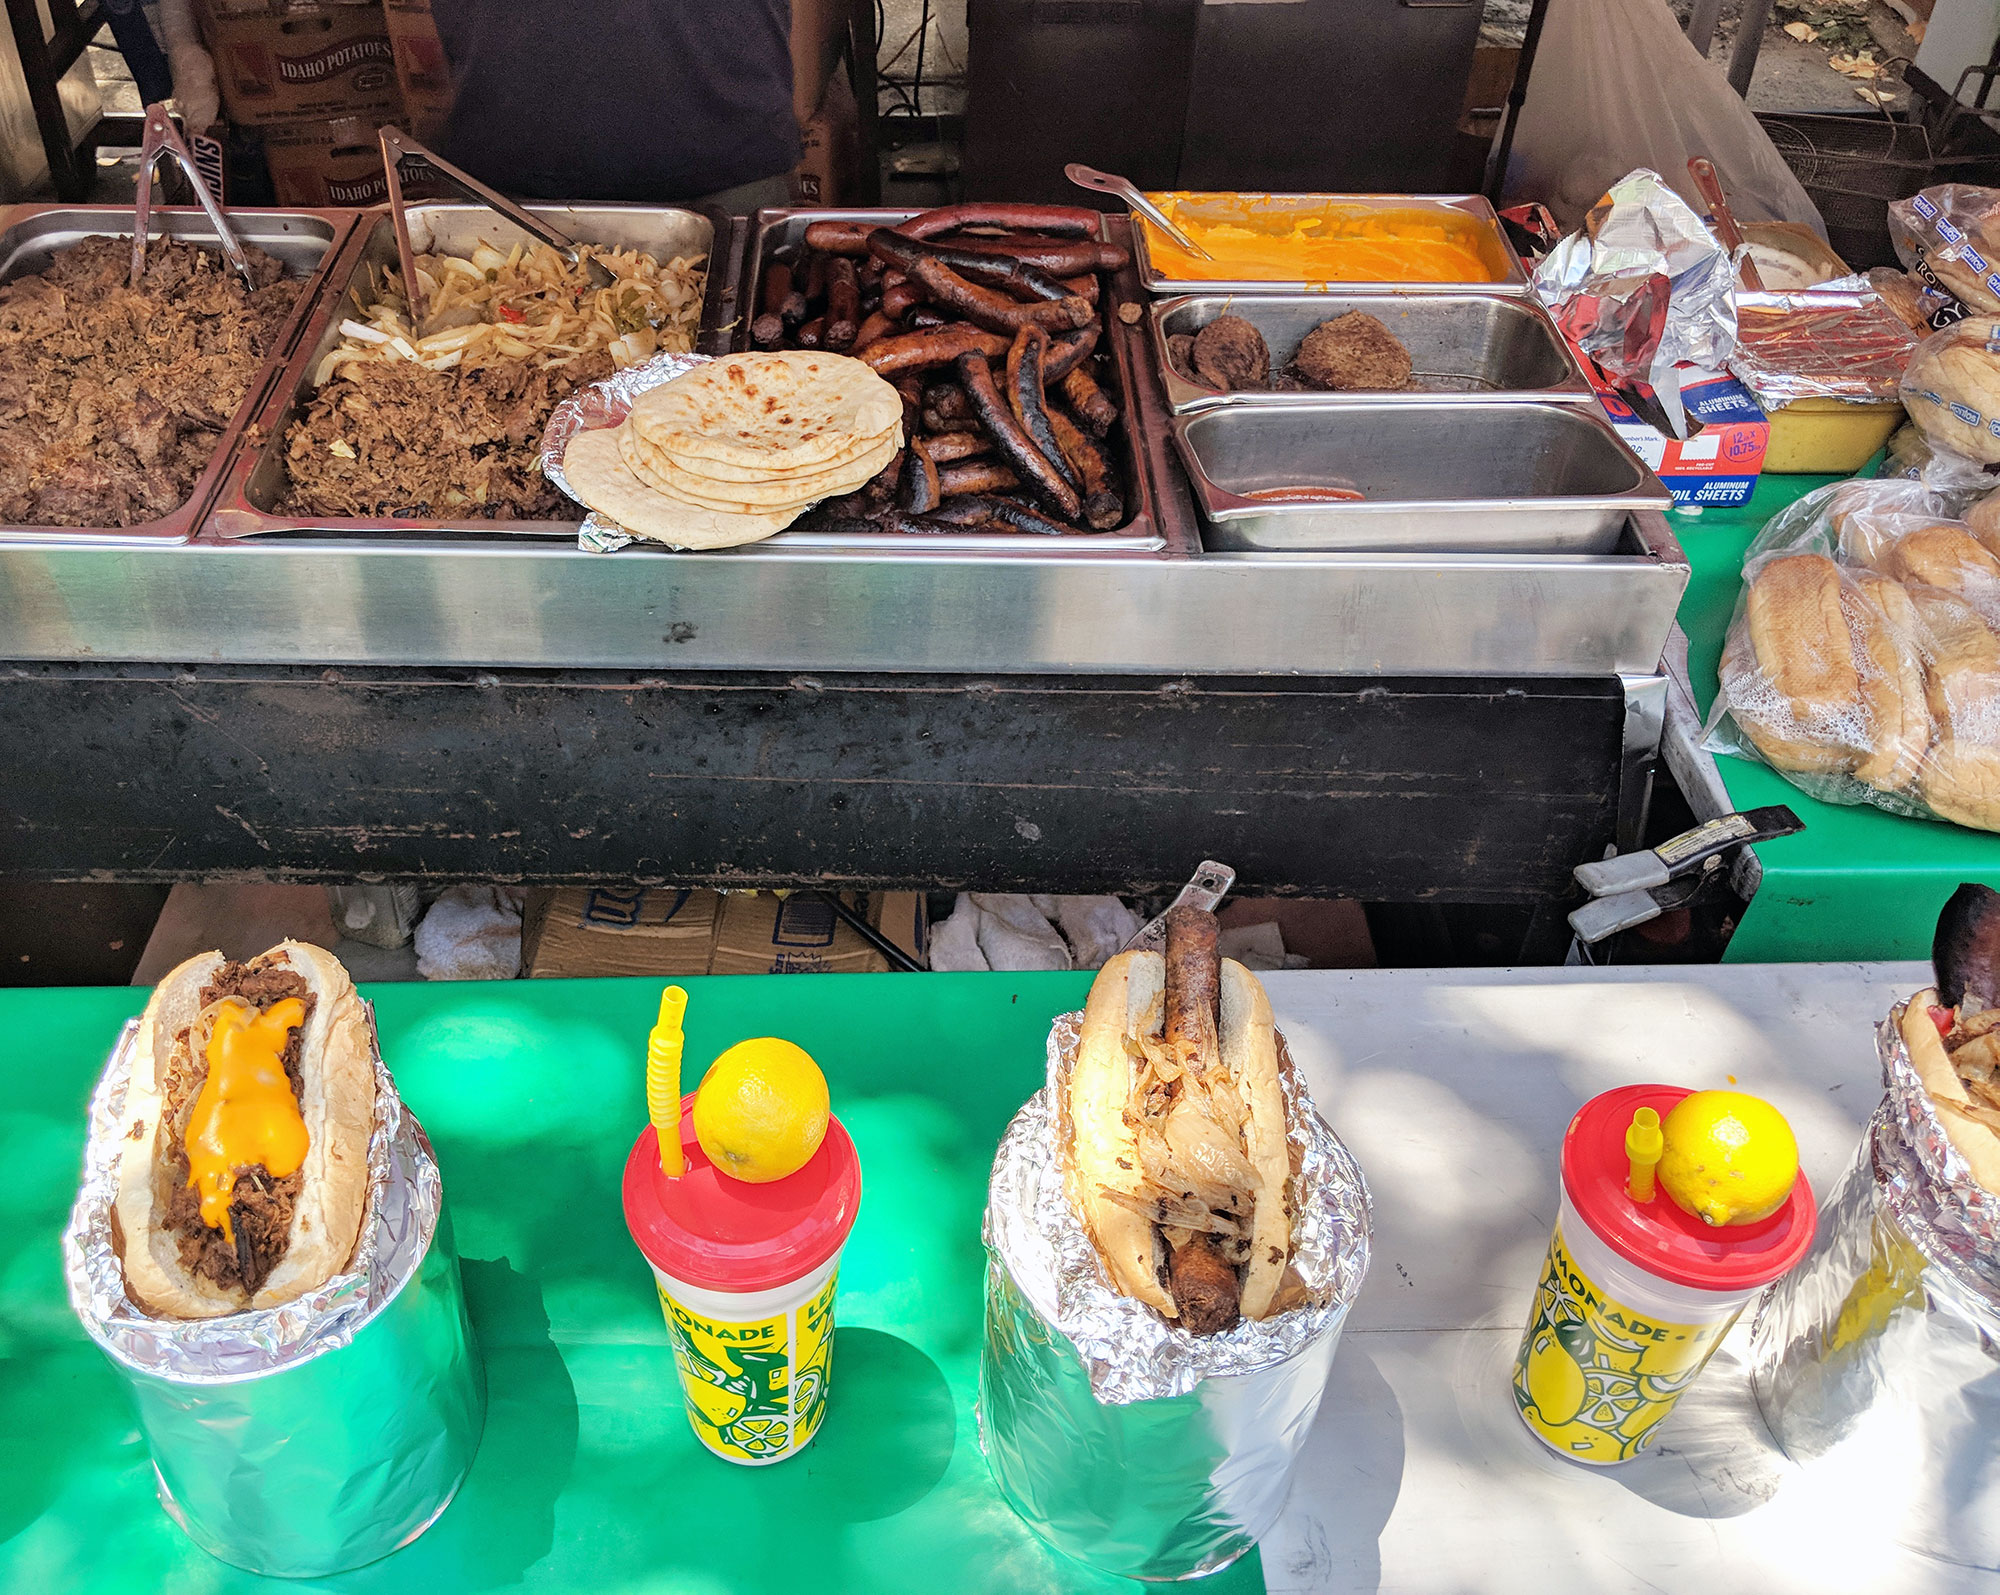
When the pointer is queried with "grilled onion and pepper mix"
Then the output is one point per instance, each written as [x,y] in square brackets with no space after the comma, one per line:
[986,318]
[444,420]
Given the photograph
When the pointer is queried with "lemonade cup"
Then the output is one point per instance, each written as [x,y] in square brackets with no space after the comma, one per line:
[746,1275]
[1634,1297]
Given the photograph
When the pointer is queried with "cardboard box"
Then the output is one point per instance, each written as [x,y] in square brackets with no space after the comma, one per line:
[299,63]
[422,72]
[582,932]
[760,933]
[325,163]
[829,168]
[1720,464]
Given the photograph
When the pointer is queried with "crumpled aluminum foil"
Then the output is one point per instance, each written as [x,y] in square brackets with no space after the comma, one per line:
[318,1435]
[1836,340]
[1128,1444]
[605,403]
[1644,287]
[1878,1357]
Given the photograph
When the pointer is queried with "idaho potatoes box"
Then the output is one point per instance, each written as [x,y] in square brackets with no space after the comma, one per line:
[1720,464]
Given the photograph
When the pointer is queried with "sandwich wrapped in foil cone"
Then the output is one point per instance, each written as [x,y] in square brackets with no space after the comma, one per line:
[319,1435]
[601,404]
[1122,1440]
[1878,1357]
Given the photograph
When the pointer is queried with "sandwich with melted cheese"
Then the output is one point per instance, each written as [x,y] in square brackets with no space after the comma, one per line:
[1178,1162]
[243,1173]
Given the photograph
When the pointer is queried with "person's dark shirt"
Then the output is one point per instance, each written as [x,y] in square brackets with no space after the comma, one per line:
[657,100]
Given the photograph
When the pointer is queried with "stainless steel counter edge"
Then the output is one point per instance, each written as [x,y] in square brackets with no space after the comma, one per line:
[334,603]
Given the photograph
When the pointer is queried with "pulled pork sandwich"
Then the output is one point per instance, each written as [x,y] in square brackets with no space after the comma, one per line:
[244,1172]
[1179,1162]
[1953,1032]
[112,399]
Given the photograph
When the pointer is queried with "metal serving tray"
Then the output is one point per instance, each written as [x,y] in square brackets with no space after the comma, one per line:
[1152,528]
[256,480]
[1472,207]
[1478,345]
[307,241]
[1464,476]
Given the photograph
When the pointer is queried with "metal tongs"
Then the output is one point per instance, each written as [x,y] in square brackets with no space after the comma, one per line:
[1111,183]
[1633,888]
[1205,888]
[161,138]
[397,147]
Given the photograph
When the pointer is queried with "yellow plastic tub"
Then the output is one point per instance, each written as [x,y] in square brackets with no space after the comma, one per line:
[1827,437]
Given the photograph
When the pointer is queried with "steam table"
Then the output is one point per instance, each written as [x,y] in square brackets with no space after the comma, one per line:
[1452,1087]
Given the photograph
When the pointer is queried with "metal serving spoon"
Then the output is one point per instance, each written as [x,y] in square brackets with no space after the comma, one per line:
[1109,183]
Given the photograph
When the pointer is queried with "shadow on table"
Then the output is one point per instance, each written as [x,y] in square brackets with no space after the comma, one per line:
[1345,1483]
[1714,1457]
[888,1434]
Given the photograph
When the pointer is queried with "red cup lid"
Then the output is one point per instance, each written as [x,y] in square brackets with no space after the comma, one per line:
[1659,1236]
[721,1233]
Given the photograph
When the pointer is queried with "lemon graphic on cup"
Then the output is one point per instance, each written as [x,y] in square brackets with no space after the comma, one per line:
[1729,1158]
[1555,1373]
[761,1110]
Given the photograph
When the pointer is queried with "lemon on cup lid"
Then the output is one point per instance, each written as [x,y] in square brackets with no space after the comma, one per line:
[760,1112]
[1729,1159]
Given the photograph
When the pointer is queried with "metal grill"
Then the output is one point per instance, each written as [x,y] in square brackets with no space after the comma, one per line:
[1851,167]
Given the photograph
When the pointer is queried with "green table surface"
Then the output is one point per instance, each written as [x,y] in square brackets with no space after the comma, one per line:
[589,1478]
[1858,883]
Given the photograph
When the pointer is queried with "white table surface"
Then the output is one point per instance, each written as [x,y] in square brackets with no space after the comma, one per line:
[1453,1088]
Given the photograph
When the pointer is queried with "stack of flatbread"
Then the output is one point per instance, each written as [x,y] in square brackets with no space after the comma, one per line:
[739,448]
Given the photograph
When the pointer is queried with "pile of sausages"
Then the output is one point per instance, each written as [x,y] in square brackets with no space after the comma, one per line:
[986,319]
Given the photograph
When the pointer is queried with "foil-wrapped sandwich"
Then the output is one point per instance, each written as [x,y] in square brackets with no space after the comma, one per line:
[1953,1030]
[243,1169]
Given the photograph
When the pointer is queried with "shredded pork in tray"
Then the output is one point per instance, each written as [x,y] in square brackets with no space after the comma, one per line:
[443,421]
[111,401]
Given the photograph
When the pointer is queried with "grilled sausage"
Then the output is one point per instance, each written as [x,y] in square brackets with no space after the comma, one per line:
[937,421]
[1065,221]
[900,296]
[1085,287]
[1036,470]
[923,316]
[1206,1288]
[914,351]
[1026,400]
[948,446]
[981,476]
[839,238]
[768,330]
[813,333]
[1059,257]
[1103,504]
[1069,351]
[1006,272]
[977,509]
[876,326]
[815,281]
[1089,401]
[843,303]
[920,492]
[1194,987]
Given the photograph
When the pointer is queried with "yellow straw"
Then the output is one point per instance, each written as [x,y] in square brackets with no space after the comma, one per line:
[1643,1145]
[663,1080]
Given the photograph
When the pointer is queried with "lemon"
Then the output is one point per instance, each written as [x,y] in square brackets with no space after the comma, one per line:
[1730,1157]
[1555,1381]
[761,1110]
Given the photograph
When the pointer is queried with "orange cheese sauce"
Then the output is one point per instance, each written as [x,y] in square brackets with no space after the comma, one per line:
[1282,240]
[246,1113]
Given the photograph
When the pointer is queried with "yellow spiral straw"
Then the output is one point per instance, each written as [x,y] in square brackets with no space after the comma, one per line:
[663,1080]
[1644,1145]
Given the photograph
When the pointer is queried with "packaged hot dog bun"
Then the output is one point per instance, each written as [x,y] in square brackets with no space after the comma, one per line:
[1970,1124]
[244,1169]
[1825,677]
[1179,1163]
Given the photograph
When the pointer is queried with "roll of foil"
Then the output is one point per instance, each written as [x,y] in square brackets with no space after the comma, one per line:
[1123,1441]
[1877,1359]
[316,1436]
[605,403]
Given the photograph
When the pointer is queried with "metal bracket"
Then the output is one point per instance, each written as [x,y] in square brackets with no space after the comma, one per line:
[1631,888]
[1205,888]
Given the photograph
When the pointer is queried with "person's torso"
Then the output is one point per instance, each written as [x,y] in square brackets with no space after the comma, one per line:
[652,100]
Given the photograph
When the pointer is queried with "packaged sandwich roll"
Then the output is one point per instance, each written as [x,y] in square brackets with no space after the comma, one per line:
[1864,657]
[1122,1439]
[319,1432]
[1948,237]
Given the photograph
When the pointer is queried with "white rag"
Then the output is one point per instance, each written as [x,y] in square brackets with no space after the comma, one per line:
[471,933]
[1010,931]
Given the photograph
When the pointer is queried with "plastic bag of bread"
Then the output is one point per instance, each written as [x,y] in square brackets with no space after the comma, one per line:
[1864,657]
[1951,387]
[1949,239]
